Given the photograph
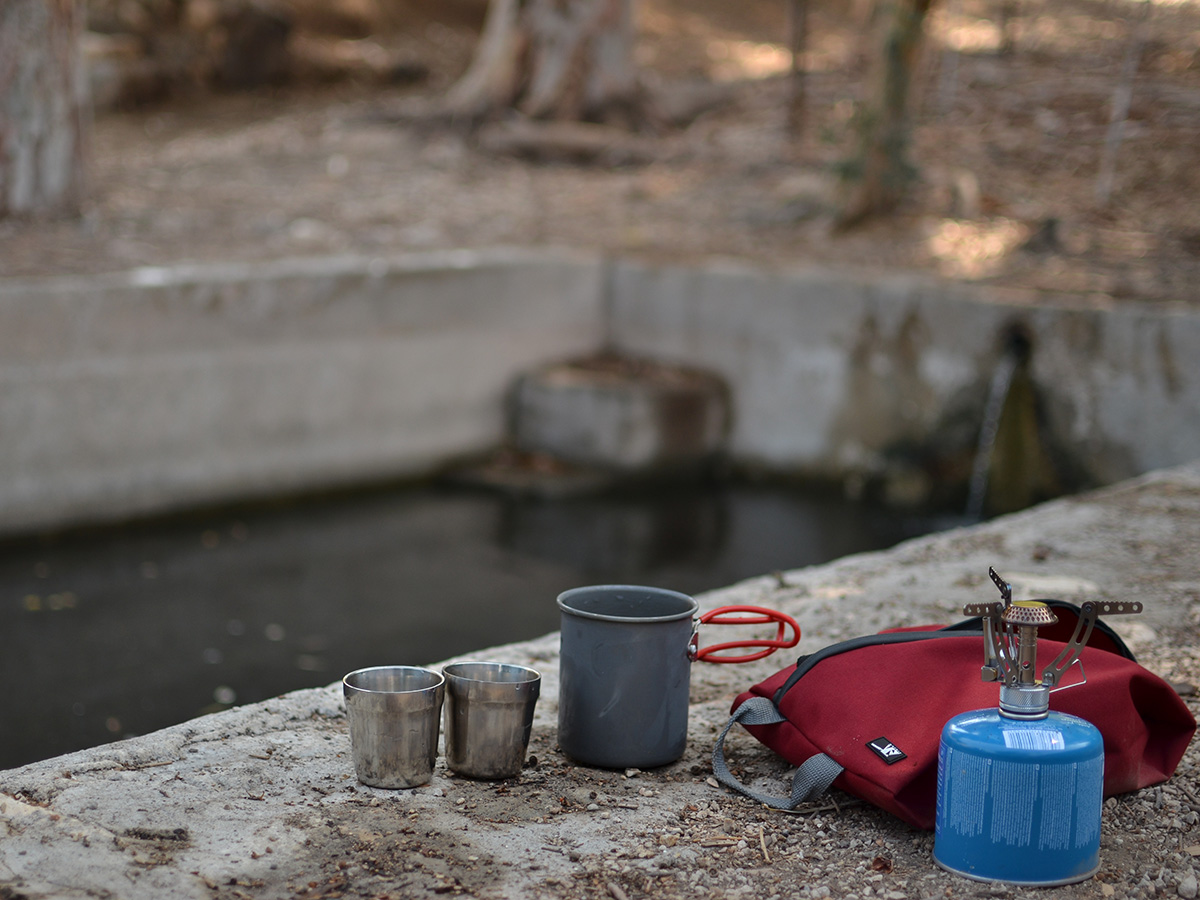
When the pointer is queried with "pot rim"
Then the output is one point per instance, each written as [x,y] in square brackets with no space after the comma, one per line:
[689,610]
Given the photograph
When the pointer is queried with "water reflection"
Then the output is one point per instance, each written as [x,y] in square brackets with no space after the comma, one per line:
[129,630]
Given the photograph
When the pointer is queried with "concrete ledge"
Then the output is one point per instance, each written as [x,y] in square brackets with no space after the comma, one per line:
[162,388]
[831,370]
[261,801]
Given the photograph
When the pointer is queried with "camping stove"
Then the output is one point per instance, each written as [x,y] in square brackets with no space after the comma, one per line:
[1020,787]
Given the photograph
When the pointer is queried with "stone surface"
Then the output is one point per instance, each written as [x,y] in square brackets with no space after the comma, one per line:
[261,801]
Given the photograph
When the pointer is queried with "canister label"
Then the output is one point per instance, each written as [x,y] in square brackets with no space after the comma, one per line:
[1018,815]
[1050,806]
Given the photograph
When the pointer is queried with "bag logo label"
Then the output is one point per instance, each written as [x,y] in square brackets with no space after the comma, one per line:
[886,750]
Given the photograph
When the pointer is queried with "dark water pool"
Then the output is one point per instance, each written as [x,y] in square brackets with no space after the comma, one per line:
[120,632]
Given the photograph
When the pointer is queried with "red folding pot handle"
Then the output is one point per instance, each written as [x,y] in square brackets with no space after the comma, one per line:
[744,615]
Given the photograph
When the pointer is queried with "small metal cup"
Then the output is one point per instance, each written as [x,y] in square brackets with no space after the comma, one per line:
[489,716]
[394,714]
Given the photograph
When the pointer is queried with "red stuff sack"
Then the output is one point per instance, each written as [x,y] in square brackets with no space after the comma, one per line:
[866,715]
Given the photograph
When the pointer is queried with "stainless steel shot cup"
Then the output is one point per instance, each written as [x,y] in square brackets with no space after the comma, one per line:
[394,714]
[489,715]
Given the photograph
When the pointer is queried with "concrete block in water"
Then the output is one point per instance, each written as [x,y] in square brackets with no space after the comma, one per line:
[624,415]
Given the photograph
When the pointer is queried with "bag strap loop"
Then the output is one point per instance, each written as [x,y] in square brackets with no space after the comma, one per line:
[812,779]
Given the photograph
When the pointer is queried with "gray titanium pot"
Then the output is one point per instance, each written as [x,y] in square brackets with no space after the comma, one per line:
[624,674]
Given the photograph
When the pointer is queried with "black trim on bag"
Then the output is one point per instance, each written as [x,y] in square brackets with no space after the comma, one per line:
[805,663]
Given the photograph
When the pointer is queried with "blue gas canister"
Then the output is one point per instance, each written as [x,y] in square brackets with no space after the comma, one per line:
[1020,788]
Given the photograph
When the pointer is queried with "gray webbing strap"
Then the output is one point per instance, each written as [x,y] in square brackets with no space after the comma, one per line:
[812,779]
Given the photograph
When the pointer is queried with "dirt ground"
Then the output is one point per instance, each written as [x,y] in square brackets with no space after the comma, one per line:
[1008,146]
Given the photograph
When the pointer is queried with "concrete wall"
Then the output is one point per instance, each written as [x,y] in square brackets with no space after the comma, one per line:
[159,389]
[162,388]
[828,370]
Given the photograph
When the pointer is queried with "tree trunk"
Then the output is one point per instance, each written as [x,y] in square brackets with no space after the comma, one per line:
[43,109]
[551,59]
[797,40]
[879,175]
